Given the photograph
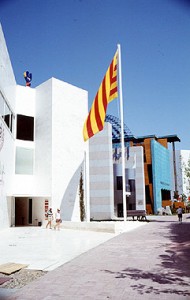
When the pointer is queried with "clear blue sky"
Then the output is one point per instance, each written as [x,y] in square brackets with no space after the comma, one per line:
[75,40]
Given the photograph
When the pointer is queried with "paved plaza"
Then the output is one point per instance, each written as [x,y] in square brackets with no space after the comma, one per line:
[148,261]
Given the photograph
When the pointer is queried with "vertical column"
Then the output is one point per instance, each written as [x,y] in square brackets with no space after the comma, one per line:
[175,174]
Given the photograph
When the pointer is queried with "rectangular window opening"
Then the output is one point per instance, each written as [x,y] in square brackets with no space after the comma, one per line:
[25,128]
[119,182]
[24,161]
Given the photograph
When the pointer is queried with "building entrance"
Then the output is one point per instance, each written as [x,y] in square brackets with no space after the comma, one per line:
[22,211]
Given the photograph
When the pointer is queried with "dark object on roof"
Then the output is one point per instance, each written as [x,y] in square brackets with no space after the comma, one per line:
[128,136]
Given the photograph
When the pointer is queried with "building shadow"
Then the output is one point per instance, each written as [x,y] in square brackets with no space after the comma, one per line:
[161,278]
[70,195]
[171,273]
[177,255]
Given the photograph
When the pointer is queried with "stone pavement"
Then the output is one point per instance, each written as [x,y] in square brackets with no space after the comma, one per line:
[45,249]
[150,262]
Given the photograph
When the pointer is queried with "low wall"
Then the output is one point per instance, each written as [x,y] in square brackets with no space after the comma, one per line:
[103,226]
[92,226]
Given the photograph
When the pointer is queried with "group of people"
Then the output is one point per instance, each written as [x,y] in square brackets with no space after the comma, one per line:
[58,220]
[50,218]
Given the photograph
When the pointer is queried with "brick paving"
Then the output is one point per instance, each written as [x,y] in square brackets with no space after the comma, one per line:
[150,262]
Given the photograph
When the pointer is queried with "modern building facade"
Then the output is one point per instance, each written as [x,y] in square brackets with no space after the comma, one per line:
[41,147]
[149,184]
[157,166]
[42,157]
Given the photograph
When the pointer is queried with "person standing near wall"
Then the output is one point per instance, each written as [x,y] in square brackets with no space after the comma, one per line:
[180,213]
[57,219]
[50,218]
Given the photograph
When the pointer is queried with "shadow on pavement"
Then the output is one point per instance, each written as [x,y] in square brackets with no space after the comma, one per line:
[171,275]
[177,255]
[154,277]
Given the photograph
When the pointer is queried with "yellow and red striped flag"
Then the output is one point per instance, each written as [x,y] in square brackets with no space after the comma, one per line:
[107,92]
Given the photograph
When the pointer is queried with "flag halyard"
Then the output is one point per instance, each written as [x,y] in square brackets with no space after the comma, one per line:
[107,92]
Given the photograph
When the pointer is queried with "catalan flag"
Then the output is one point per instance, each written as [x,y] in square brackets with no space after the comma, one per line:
[107,92]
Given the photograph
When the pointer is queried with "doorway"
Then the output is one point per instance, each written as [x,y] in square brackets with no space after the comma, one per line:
[23,211]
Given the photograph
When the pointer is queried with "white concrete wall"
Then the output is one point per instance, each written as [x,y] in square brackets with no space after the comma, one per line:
[101,175]
[182,157]
[59,110]
[6,175]
[59,147]
[69,111]
[25,101]
[7,78]
[139,177]
[7,87]
[43,140]
[25,105]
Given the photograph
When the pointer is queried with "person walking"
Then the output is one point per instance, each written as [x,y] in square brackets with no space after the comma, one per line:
[50,218]
[57,219]
[180,213]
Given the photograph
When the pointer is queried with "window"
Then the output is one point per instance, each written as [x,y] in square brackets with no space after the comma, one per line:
[166,194]
[24,161]
[119,182]
[1,105]
[30,211]
[148,195]
[149,166]
[7,116]
[25,128]
[6,113]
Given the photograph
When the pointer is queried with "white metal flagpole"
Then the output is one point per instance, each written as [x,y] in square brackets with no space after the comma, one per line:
[122,134]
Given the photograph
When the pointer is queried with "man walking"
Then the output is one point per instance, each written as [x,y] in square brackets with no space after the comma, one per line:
[179,213]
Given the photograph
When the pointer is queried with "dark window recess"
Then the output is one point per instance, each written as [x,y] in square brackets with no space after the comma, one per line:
[25,128]
[148,197]
[7,119]
[119,183]
[30,212]
[120,210]
[130,206]
[149,173]
[166,195]
[144,155]
[131,185]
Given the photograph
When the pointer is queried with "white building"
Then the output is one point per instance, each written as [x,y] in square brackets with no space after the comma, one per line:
[42,154]
[41,147]
[182,157]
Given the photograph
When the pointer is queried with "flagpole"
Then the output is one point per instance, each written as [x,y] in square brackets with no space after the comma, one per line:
[122,135]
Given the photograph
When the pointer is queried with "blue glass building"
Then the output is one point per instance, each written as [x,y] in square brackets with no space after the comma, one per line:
[160,173]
